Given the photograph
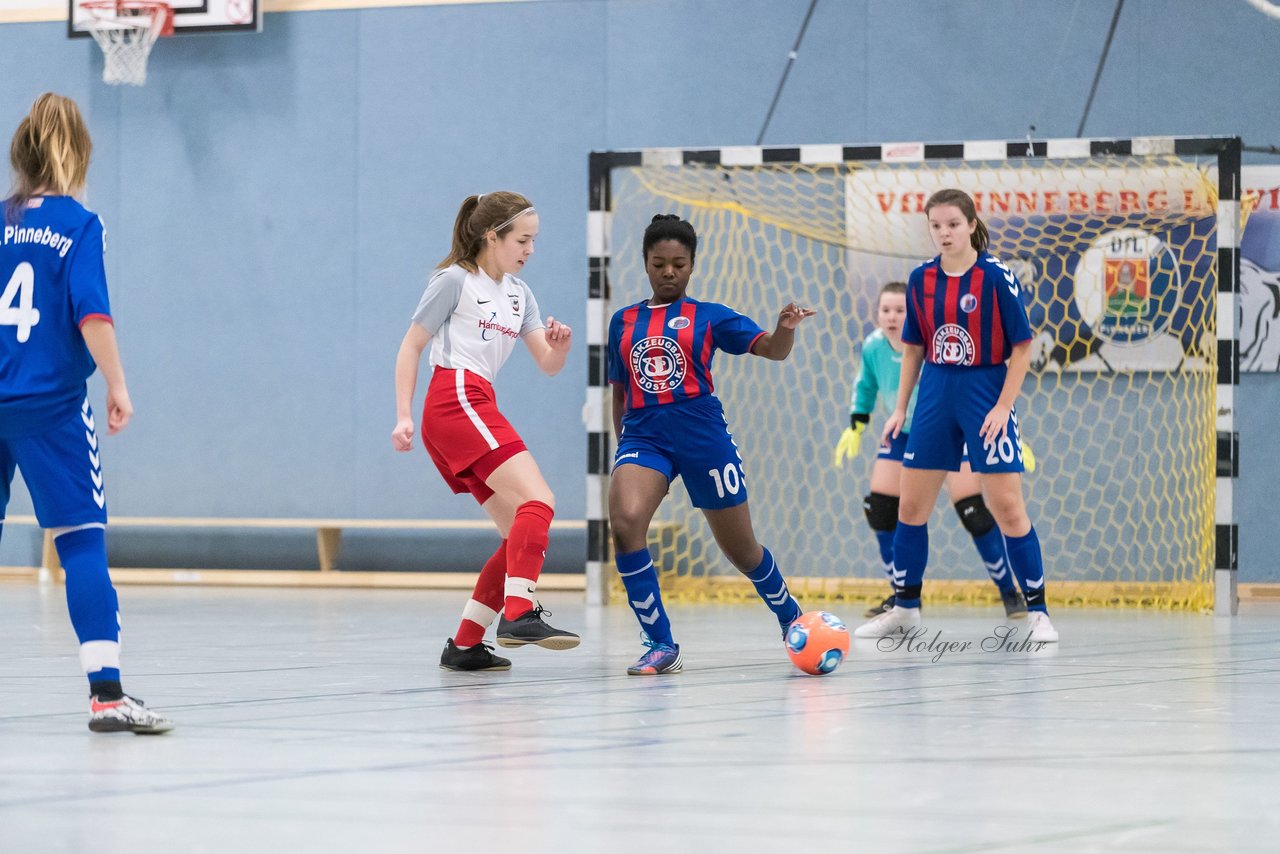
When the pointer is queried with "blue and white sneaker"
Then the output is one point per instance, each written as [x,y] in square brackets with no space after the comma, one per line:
[662,658]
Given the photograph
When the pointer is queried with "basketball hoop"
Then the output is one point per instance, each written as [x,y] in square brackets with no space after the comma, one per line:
[126,30]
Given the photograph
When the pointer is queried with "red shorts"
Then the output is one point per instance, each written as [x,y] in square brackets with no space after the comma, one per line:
[463,431]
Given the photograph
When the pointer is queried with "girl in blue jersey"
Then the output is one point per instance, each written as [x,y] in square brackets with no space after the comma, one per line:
[878,376]
[670,424]
[967,326]
[55,327]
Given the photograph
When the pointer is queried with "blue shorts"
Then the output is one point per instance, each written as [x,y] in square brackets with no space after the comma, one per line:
[690,440]
[950,408]
[894,449]
[62,471]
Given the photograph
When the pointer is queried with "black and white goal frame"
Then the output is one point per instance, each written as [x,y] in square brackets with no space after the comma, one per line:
[1227,150]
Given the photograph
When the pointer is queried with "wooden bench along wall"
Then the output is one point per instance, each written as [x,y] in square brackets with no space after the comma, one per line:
[328,547]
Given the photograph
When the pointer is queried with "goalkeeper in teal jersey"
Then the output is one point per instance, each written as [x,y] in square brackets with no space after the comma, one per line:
[878,379]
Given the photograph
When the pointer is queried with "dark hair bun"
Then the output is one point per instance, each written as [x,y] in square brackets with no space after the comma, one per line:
[670,227]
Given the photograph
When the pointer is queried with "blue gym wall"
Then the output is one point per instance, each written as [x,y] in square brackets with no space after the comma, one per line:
[274,202]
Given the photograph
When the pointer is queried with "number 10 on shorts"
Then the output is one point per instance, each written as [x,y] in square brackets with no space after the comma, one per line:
[728,481]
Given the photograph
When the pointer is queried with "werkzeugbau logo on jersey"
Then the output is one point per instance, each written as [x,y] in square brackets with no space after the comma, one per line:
[952,345]
[658,364]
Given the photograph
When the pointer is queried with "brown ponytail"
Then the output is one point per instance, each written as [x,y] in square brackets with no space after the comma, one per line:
[477,216]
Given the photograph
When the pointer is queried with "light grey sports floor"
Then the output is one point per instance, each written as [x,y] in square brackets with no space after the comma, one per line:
[318,720]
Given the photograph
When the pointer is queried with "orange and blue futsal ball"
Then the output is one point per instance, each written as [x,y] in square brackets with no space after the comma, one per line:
[817,642]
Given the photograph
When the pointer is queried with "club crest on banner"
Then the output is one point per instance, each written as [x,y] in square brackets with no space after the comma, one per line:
[1127,286]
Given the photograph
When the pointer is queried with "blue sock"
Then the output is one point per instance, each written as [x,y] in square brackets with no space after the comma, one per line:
[1027,563]
[910,555]
[643,594]
[92,603]
[884,539]
[991,547]
[772,588]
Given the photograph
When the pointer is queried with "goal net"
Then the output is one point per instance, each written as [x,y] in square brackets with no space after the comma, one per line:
[1117,253]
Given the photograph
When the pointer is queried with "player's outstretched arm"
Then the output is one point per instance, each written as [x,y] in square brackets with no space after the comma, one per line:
[100,338]
[776,345]
[550,346]
[407,361]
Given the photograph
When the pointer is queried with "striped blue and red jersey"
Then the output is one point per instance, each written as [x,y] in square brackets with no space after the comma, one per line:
[663,354]
[974,318]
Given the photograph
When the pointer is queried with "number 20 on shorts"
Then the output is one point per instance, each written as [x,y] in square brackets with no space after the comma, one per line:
[1006,448]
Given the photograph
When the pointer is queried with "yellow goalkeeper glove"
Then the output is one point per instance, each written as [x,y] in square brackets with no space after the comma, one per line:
[850,441]
[1028,458]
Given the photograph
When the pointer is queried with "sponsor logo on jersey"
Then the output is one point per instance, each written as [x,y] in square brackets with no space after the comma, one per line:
[491,328]
[678,322]
[658,364]
[968,303]
[952,345]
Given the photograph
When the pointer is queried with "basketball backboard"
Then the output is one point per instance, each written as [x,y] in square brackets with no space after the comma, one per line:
[189,16]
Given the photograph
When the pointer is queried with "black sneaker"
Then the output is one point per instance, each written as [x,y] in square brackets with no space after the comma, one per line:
[1015,607]
[476,657]
[877,610]
[529,627]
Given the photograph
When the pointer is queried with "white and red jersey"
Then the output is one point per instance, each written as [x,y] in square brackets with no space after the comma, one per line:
[474,321]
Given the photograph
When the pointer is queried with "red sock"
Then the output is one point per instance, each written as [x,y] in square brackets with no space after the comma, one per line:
[485,600]
[524,559]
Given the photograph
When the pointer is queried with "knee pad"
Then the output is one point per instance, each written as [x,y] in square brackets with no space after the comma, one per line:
[881,510]
[974,515]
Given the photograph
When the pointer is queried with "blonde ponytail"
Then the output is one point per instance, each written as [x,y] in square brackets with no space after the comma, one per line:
[50,152]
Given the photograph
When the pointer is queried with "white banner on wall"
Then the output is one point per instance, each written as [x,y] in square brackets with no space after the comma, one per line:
[1116,263]
[1259,311]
